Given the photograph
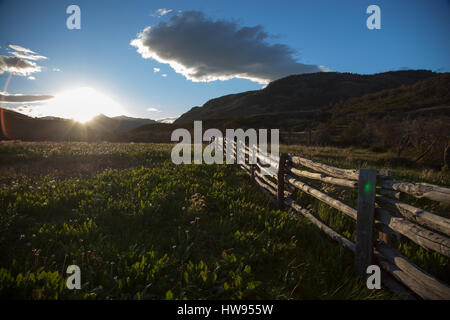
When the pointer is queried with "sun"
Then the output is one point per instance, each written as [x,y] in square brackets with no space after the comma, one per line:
[81,105]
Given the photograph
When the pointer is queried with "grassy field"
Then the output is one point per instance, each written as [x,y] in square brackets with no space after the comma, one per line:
[141,227]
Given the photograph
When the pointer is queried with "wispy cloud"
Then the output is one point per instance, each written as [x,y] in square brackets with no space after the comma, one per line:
[20,48]
[161,12]
[28,56]
[153,110]
[202,49]
[156,69]
[56,70]
[31,78]
[164,75]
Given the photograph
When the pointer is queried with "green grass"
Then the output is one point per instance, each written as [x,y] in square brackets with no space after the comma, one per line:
[140,227]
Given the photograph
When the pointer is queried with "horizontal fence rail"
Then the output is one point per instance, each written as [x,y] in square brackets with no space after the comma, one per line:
[379,208]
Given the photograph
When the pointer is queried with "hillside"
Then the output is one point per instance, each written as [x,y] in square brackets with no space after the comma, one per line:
[18,126]
[303,92]
[365,120]
[430,97]
[320,102]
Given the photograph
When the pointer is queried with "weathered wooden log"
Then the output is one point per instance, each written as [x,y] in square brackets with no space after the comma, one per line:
[267,190]
[246,167]
[264,157]
[404,278]
[418,280]
[266,171]
[396,286]
[389,193]
[351,174]
[266,179]
[349,211]
[266,186]
[327,230]
[323,177]
[423,237]
[418,215]
[418,190]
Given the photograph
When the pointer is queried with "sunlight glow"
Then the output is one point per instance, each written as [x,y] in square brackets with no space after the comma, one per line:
[81,104]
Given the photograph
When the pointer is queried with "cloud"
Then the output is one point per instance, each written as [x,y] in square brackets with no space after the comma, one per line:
[15,98]
[162,12]
[28,56]
[205,50]
[164,75]
[17,66]
[167,120]
[21,49]
[156,69]
[56,70]
[153,110]
[31,78]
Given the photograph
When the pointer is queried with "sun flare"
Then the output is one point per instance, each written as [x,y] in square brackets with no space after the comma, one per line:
[81,104]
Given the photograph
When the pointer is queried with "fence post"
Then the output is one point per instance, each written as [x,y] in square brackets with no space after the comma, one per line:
[280,186]
[365,219]
[385,237]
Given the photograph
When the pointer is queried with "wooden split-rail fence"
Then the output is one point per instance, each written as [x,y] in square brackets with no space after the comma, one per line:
[379,208]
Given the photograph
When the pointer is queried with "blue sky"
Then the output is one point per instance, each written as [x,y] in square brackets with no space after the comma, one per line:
[329,34]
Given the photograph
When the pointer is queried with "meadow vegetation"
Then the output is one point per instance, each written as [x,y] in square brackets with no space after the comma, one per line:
[140,227]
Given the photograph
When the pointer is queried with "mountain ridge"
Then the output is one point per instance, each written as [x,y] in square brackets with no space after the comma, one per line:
[16,125]
[302,93]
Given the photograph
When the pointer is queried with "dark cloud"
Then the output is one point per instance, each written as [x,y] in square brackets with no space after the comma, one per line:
[17,66]
[4,97]
[202,49]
